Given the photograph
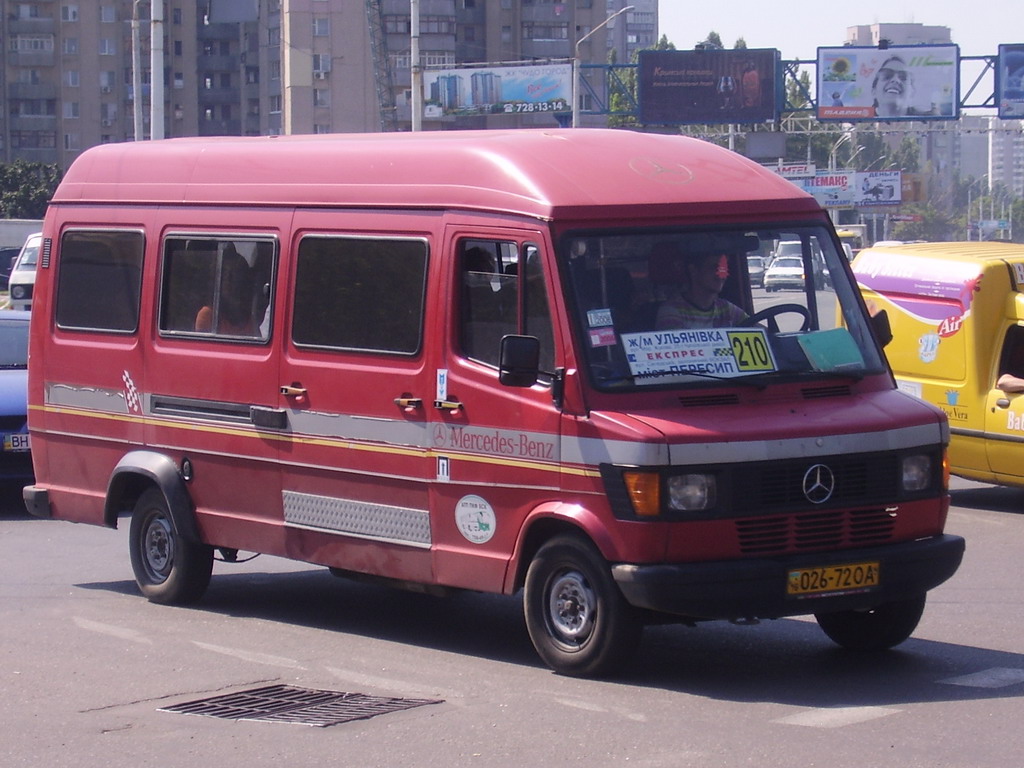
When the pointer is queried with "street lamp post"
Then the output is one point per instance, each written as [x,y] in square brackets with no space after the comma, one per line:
[969,187]
[576,65]
[156,74]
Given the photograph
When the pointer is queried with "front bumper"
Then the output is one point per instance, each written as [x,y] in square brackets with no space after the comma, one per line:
[739,589]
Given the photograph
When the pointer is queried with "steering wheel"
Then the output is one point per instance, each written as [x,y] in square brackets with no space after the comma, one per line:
[771,313]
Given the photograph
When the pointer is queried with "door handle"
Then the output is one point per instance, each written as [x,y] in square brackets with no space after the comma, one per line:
[447,405]
[292,390]
[409,403]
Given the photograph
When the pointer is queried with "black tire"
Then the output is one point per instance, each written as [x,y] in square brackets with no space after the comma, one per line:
[577,618]
[880,628]
[169,569]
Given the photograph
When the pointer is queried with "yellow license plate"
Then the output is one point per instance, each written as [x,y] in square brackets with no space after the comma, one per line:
[833,579]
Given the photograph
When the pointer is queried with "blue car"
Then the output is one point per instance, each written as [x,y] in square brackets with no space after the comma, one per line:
[16,458]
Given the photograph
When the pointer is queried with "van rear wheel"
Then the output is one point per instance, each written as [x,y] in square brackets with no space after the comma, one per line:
[168,568]
[881,627]
[577,618]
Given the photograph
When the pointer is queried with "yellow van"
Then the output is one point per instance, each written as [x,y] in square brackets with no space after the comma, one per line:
[956,311]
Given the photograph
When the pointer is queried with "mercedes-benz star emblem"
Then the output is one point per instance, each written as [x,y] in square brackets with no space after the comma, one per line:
[819,484]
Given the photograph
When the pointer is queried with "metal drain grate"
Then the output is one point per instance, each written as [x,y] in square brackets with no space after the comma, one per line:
[288,704]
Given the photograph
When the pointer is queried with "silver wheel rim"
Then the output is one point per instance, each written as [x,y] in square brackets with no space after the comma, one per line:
[571,607]
[158,548]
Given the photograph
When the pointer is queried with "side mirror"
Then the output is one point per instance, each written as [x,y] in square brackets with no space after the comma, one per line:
[880,325]
[519,361]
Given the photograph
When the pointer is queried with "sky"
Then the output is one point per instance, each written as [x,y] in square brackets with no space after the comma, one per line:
[798,27]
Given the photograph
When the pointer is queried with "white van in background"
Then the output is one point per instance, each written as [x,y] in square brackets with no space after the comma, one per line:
[23,276]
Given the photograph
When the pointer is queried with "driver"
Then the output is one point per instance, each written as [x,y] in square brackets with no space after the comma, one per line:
[697,303]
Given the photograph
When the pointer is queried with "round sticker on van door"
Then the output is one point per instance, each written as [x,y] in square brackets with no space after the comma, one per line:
[475,519]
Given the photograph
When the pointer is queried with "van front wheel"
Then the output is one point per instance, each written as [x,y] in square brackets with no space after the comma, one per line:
[881,627]
[577,618]
[169,569]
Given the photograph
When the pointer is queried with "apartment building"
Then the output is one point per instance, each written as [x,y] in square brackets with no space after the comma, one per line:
[259,67]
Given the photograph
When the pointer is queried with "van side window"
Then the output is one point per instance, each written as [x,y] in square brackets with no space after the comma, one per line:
[364,294]
[99,274]
[219,287]
[1011,364]
[502,291]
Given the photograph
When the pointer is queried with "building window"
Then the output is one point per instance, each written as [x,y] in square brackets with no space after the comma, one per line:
[71,141]
[545,31]
[71,78]
[108,13]
[71,111]
[321,97]
[107,47]
[69,46]
[321,26]
[32,43]
[179,80]
[321,62]
[69,12]
[275,105]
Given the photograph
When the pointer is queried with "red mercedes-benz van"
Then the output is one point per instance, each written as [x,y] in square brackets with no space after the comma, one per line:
[474,360]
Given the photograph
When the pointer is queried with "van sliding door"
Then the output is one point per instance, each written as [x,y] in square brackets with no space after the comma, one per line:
[356,387]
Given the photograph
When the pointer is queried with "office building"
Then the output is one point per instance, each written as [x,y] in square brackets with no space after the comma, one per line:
[259,67]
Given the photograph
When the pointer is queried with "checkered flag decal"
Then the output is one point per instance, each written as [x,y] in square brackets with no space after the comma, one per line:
[131,394]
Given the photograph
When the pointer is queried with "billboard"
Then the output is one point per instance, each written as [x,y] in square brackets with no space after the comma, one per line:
[914,82]
[853,189]
[717,86]
[497,90]
[1010,81]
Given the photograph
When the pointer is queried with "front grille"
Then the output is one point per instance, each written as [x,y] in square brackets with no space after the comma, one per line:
[812,531]
[860,479]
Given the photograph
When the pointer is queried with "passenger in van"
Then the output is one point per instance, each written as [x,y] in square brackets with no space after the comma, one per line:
[1011,380]
[697,303]
[235,300]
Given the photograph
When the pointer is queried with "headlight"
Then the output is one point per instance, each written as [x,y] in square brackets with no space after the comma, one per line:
[917,472]
[691,492]
[18,292]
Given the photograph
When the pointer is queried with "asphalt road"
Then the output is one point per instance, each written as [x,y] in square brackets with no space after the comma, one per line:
[87,668]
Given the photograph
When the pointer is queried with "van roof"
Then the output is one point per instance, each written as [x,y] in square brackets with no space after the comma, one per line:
[976,252]
[579,173]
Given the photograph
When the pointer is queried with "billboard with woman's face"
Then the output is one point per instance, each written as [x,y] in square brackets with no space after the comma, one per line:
[918,82]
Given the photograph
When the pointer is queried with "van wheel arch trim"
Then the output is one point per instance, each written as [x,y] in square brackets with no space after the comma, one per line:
[152,469]
[545,522]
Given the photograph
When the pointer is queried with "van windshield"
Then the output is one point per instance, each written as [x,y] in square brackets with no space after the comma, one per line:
[663,308]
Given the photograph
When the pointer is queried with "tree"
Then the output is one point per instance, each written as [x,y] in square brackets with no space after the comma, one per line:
[622,96]
[25,188]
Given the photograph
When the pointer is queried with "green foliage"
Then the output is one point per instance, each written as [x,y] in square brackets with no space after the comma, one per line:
[26,188]
[934,225]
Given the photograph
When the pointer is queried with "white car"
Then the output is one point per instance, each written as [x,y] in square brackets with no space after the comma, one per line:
[784,272]
[23,276]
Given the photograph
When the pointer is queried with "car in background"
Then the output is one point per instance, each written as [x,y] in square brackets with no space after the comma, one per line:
[755,269]
[8,255]
[23,276]
[16,457]
[784,272]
